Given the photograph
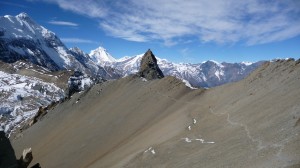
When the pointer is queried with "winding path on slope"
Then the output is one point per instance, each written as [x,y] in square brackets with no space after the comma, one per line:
[258,142]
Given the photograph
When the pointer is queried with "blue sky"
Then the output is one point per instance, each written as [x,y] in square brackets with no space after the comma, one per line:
[180,31]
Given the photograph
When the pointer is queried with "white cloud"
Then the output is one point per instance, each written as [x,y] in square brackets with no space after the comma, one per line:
[91,8]
[63,23]
[76,40]
[250,21]
[13,4]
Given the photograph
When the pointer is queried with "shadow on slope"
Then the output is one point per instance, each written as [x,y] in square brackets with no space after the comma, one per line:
[8,158]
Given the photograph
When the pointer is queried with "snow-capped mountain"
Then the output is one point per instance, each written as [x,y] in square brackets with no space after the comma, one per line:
[209,73]
[23,39]
[205,74]
[128,65]
[101,57]
[94,66]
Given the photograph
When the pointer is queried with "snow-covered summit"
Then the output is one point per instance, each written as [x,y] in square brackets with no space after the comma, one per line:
[213,62]
[22,26]
[101,56]
[23,15]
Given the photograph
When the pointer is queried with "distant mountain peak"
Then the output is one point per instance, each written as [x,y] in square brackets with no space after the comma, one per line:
[149,68]
[101,56]
[23,15]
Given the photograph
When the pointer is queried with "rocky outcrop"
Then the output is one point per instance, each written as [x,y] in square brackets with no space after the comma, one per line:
[8,158]
[78,82]
[26,158]
[42,112]
[7,154]
[149,68]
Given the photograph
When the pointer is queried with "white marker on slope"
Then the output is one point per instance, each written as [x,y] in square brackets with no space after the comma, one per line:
[202,140]
[187,139]
[210,142]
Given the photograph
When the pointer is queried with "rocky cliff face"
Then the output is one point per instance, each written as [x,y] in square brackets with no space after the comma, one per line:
[149,68]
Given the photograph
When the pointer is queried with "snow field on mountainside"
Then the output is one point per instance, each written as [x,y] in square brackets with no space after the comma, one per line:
[21,96]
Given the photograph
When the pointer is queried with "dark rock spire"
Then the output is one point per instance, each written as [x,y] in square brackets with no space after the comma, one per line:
[149,68]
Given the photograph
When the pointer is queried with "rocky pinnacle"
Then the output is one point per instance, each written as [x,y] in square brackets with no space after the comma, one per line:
[149,68]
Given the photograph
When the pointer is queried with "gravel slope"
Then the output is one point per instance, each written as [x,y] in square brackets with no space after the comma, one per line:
[162,123]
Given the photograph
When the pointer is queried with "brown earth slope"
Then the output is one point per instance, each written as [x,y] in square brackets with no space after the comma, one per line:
[162,123]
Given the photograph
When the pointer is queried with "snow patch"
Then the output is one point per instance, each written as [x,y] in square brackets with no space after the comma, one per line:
[201,140]
[151,150]
[21,96]
[144,79]
[197,139]
[187,140]
[187,83]
[247,63]
[219,73]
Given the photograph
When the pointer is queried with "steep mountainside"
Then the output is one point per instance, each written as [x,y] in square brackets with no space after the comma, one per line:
[23,39]
[131,122]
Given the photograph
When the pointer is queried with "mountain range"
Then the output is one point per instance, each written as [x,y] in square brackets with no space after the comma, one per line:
[207,74]
[29,51]
[21,38]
